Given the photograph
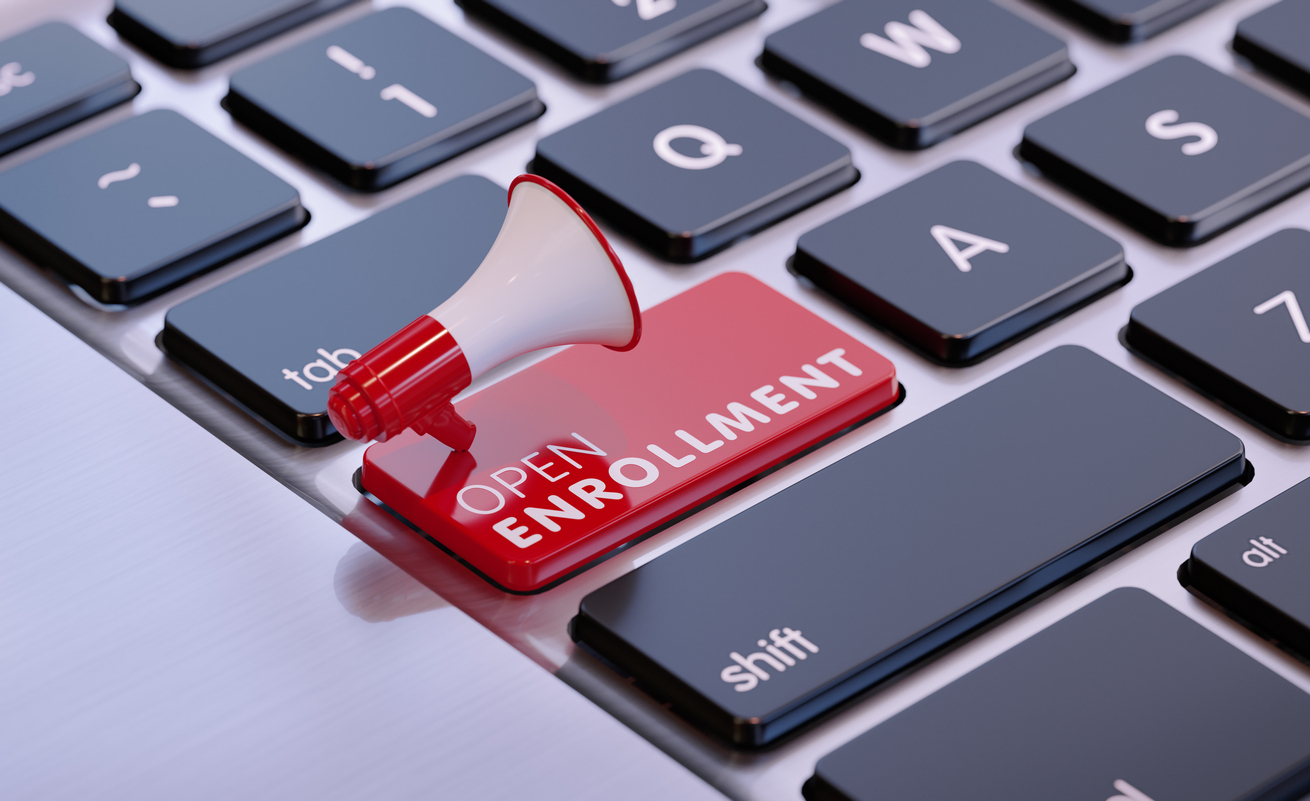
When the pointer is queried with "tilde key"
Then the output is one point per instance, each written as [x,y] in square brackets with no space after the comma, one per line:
[589,449]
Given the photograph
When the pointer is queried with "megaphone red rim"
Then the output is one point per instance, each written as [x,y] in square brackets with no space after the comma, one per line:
[604,243]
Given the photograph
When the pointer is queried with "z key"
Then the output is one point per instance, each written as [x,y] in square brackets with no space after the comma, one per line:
[1237,331]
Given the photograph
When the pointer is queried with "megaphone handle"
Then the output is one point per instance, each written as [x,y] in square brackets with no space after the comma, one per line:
[445,424]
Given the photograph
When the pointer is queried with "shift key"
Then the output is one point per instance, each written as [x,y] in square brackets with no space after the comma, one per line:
[860,571]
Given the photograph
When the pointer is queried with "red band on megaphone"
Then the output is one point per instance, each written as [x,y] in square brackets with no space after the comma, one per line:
[403,380]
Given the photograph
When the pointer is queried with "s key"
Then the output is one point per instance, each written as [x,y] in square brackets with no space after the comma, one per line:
[1178,150]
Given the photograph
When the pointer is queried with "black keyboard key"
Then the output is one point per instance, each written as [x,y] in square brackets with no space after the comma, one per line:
[1277,40]
[51,77]
[608,40]
[877,562]
[1258,568]
[1125,700]
[193,33]
[694,164]
[1129,20]
[1177,150]
[380,99]
[914,73]
[274,338]
[960,263]
[1237,331]
[142,205]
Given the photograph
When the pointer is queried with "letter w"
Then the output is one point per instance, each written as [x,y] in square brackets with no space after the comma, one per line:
[906,44]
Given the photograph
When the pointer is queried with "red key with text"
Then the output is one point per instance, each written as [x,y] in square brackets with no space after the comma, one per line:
[589,449]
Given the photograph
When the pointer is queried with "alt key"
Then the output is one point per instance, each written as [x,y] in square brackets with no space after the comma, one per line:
[1257,568]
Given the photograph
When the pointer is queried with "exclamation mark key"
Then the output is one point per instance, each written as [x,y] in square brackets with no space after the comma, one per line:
[382,98]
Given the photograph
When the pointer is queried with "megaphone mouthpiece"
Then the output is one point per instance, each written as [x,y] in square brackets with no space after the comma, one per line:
[549,279]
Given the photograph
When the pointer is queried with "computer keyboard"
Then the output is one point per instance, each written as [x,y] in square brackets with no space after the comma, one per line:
[1087,405]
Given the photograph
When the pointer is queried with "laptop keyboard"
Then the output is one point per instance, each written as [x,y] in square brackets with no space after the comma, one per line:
[1038,397]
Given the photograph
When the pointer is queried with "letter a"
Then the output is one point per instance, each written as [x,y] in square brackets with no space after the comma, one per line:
[947,237]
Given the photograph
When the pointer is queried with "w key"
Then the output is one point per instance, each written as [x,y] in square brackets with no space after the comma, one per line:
[914,72]
[872,565]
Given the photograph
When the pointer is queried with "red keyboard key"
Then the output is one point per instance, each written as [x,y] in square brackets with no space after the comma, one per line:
[588,449]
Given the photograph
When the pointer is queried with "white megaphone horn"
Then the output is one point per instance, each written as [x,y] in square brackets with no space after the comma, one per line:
[549,279]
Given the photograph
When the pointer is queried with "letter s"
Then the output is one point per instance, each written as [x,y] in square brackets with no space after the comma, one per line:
[1160,125]
[733,674]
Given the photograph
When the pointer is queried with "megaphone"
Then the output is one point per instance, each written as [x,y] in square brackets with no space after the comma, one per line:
[549,279]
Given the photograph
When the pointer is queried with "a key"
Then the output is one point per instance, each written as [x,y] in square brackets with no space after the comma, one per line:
[193,33]
[694,164]
[1129,20]
[590,449]
[870,566]
[1238,332]
[1124,700]
[376,101]
[142,205]
[914,73]
[274,338]
[1277,40]
[611,39]
[1177,150]
[51,77]
[1258,568]
[960,262]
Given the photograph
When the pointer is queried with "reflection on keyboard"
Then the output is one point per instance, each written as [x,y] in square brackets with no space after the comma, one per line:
[954,187]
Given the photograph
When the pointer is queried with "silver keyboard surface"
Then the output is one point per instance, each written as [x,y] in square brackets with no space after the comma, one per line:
[537,625]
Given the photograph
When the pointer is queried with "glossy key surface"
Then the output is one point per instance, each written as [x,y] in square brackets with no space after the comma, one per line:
[960,262]
[1178,150]
[1277,41]
[694,164]
[274,338]
[1129,20]
[377,100]
[1257,568]
[590,448]
[913,73]
[609,40]
[907,545]
[1125,700]
[193,33]
[144,204]
[1238,332]
[53,76]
